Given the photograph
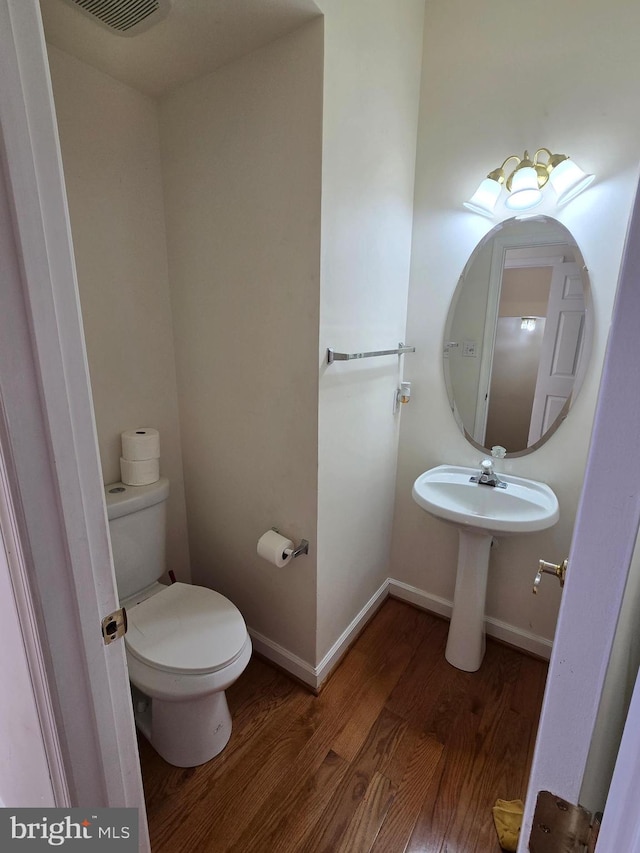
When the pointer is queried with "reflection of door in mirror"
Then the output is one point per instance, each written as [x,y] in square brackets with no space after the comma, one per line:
[561,349]
[538,339]
[515,335]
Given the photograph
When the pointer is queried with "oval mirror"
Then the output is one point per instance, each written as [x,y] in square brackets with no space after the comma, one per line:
[518,335]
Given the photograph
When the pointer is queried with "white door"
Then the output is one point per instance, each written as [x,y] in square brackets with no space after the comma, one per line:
[603,543]
[30,756]
[48,439]
[561,347]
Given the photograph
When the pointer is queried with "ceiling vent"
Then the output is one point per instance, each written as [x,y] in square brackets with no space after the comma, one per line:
[124,17]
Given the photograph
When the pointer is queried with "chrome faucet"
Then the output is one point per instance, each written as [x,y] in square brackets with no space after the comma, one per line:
[487,476]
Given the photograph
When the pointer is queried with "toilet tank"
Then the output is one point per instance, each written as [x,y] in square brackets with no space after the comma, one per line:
[137,527]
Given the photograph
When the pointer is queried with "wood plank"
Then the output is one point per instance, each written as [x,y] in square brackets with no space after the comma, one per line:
[420,756]
[501,744]
[441,804]
[417,693]
[368,817]
[374,756]
[371,698]
[529,690]
[284,822]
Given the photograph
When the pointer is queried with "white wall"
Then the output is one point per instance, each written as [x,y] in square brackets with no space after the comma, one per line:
[371,82]
[111,156]
[241,152]
[580,81]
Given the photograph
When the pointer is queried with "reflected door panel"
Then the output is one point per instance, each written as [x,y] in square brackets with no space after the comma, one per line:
[561,348]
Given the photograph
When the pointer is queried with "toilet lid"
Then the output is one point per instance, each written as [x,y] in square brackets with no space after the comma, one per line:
[186,628]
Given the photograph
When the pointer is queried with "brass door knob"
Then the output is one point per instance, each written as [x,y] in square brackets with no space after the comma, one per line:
[557,569]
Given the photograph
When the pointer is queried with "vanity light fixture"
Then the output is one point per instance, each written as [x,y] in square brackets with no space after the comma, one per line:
[524,184]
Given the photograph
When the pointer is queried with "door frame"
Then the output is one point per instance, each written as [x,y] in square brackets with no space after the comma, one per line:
[603,543]
[49,437]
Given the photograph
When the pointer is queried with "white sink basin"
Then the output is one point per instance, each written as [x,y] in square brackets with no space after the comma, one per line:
[480,512]
[524,506]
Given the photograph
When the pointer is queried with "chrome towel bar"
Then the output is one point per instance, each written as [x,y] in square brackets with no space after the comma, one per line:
[349,356]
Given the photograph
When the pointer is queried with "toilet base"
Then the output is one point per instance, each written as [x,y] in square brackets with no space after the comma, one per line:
[189,733]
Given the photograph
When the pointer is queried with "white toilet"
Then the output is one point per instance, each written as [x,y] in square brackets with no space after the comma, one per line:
[185,644]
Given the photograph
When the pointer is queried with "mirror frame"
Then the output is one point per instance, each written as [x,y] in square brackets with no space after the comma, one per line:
[500,248]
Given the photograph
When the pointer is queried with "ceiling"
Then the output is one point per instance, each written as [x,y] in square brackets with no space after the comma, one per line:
[196,37]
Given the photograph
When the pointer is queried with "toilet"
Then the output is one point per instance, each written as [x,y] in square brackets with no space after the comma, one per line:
[185,644]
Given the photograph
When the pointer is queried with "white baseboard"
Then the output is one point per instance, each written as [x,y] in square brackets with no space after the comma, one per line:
[284,659]
[525,640]
[344,641]
[314,676]
[421,599]
[532,643]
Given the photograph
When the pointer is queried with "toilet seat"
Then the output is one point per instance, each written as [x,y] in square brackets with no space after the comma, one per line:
[186,629]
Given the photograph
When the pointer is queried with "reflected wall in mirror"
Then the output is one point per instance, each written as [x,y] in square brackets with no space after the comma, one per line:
[518,335]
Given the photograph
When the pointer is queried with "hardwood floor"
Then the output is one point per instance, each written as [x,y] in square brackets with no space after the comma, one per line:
[400,753]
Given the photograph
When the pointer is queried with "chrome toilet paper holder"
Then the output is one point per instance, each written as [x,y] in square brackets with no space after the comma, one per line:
[303,547]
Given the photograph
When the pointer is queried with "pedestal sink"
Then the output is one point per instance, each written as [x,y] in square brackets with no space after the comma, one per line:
[480,512]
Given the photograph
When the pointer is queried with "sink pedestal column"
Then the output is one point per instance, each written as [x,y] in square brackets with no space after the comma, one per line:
[466,640]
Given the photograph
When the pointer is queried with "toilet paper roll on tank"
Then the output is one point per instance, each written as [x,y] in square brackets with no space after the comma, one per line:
[140,444]
[139,473]
[140,460]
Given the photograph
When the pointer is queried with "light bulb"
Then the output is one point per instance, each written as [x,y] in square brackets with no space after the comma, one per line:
[525,192]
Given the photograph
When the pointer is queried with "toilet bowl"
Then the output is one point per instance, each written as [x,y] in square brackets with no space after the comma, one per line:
[185,644]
